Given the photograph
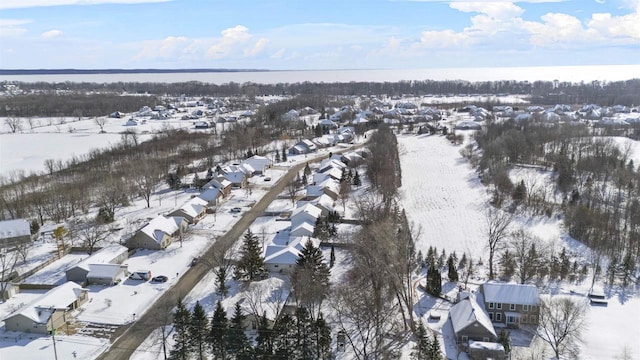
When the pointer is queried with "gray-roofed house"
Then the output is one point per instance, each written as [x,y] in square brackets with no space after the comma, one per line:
[511,304]
[49,311]
[112,254]
[158,233]
[192,211]
[14,232]
[471,322]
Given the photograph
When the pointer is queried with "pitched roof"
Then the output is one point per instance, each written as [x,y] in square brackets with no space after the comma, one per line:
[14,228]
[510,293]
[194,207]
[310,209]
[104,270]
[302,229]
[102,256]
[468,312]
[159,226]
[60,297]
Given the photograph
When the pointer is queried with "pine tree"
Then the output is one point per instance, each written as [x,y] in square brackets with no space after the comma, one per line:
[284,344]
[198,329]
[431,257]
[441,260]
[463,261]
[218,332]
[434,281]
[520,192]
[251,264]
[322,334]
[264,341]
[453,272]
[310,278]
[277,156]
[238,342]
[181,319]
[332,257]
[423,343]
[508,264]
[284,154]
[564,264]
[434,350]
[307,169]
[627,269]
[221,281]
[356,180]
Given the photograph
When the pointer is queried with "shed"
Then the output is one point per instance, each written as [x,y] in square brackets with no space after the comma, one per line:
[106,274]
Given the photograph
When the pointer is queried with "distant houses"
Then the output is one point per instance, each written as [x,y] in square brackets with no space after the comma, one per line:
[13,232]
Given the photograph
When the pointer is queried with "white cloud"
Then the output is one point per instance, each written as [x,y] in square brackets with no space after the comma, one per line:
[257,47]
[51,34]
[444,39]
[278,54]
[17,4]
[496,9]
[231,38]
[171,46]
[12,27]
[617,27]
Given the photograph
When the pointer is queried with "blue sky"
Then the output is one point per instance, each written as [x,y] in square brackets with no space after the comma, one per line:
[321,34]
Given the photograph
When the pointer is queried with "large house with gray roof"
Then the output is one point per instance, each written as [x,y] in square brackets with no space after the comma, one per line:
[511,304]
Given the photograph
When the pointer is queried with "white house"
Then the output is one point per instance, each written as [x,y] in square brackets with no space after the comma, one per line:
[49,311]
[158,233]
[259,163]
[112,254]
[192,211]
[308,213]
[13,232]
[284,250]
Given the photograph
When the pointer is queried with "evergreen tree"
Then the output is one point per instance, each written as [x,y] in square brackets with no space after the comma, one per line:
[307,170]
[284,344]
[612,270]
[310,278]
[356,180]
[434,350]
[453,272]
[181,319]
[434,281]
[520,192]
[463,261]
[251,264]
[332,257]
[423,343]
[218,332]
[627,269]
[198,329]
[431,257]
[284,154]
[277,156]
[504,338]
[322,334]
[237,340]
[565,264]
[441,260]
[508,264]
[221,281]
[264,341]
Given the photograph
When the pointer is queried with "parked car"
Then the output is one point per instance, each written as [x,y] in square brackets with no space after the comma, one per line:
[194,262]
[160,279]
[236,210]
[267,179]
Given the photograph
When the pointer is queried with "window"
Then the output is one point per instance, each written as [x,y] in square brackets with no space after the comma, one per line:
[499,306]
[498,317]
[525,308]
[491,316]
[465,338]
[512,307]
[533,319]
[511,319]
[490,305]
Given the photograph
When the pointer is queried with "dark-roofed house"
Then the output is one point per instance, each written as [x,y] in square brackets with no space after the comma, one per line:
[511,304]
[49,311]
[470,322]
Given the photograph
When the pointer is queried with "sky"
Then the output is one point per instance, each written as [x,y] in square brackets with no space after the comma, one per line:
[316,35]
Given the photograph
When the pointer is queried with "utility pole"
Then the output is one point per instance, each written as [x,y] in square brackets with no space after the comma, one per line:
[53,333]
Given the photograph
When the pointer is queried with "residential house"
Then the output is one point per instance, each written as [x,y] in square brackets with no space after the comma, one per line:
[211,196]
[480,350]
[13,232]
[158,233]
[331,173]
[303,147]
[324,202]
[237,179]
[50,311]
[284,250]
[112,254]
[511,304]
[220,183]
[303,220]
[192,211]
[471,322]
[9,290]
[331,163]
[259,163]
[106,274]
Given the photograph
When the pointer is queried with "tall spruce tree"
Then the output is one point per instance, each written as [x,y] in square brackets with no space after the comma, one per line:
[423,343]
[218,333]
[434,281]
[453,272]
[356,180]
[238,342]
[264,341]
[198,332]
[251,264]
[284,343]
[181,320]
[310,279]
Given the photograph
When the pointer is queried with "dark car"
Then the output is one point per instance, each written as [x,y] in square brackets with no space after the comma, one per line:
[160,279]
[194,262]
[236,210]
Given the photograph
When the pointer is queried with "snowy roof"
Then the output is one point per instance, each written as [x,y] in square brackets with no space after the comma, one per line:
[194,207]
[510,293]
[258,162]
[14,228]
[310,209]
[331,163]
[210,194]
[467,312]
[59,297]
[284,255]
[302,229]
[314,190]
[234,177]
[103,256]
[104,270]
[161,225]
[483,345]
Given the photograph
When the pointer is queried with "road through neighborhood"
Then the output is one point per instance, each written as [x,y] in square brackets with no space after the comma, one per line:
[131,336]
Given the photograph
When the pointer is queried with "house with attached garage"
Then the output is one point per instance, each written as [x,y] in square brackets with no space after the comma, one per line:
[158,233]
[113,254]
[106,274]
[282,253]
[192,211]
[511,304]
[303,147]
[303,219]
[259,163]
[48,312]
[471,322]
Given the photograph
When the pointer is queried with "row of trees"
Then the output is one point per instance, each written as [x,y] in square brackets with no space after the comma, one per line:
[291,336]
[543,92]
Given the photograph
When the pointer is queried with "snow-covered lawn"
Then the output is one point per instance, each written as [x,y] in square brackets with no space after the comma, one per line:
[23,346]
[442,195]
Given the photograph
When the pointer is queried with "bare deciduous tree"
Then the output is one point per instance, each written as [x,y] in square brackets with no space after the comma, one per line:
[345,191]
[497,227]
[8,263]
[562,321]
[101,121]
[528,254]
[91,234]
[14,124]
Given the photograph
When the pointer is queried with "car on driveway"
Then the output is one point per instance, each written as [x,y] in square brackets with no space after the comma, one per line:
[267,179]
[159,279]
[236,210]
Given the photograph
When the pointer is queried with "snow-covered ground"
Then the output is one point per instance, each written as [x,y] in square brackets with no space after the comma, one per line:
[22,346]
